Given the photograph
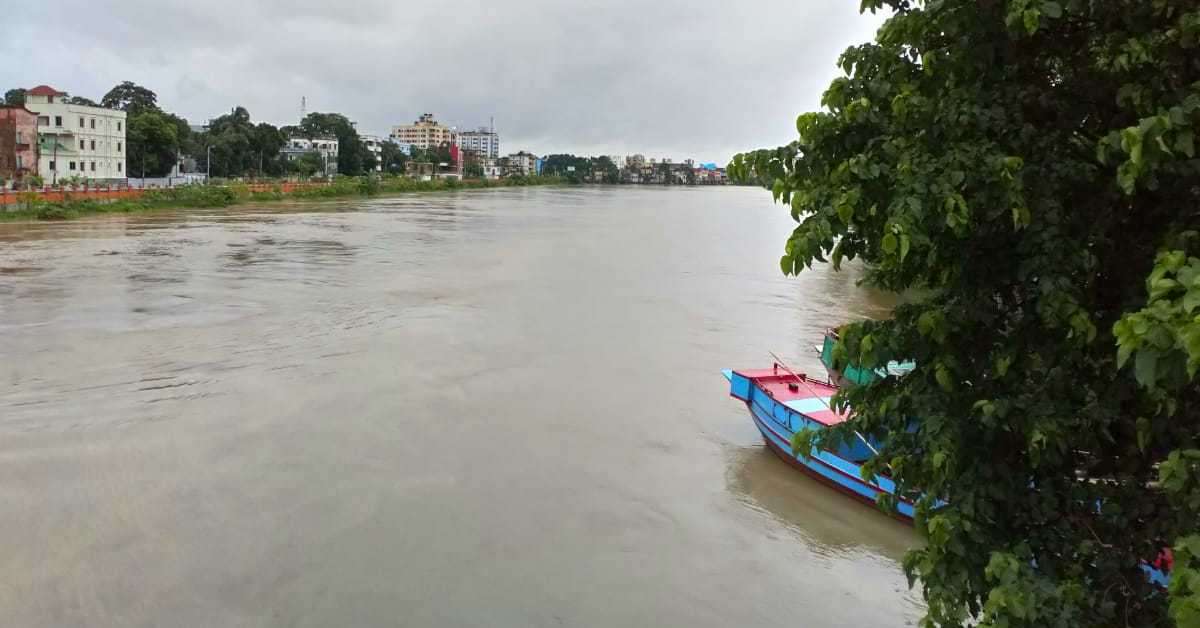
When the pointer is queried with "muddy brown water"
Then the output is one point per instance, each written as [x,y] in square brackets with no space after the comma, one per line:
[491,408]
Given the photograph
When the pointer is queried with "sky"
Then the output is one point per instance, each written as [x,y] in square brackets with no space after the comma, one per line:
[698,79]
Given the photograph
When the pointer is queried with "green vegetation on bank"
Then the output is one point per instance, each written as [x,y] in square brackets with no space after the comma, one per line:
[200,196]
[1030,165]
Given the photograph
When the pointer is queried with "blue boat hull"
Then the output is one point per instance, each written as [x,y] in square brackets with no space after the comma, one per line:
[834,471]
[778,423]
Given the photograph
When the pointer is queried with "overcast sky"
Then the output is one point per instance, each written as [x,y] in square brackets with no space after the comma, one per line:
[662,78]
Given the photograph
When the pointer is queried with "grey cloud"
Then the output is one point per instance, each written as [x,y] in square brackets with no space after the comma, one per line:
[678,79]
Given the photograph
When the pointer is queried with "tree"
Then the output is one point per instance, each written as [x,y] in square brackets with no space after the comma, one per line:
[605,169]
[130,97]
[1020,163]
[310,163]
[80,100]
[152,140]
[434,154]
[239,147]
[393,158]
[473,170]
[571,168]
[267,141]
[369,161]
[15,96]
[350,147]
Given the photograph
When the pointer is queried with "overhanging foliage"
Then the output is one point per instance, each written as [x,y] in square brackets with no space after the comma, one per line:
[1024,163]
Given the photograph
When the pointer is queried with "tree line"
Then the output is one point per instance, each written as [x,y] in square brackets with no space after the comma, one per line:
[581,169]
[1026,171]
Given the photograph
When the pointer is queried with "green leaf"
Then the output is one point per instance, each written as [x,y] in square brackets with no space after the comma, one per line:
[904,246]
[1146,367]
[786,264]
[1184,143]
[836,257]
[943,378]
[1123,352]
[1021,216]
[845,212]
[1030,17]
[1143,432]
[889,243]
[1002,364]
[1052,9]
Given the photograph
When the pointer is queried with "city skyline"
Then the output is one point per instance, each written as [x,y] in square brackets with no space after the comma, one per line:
[682,79]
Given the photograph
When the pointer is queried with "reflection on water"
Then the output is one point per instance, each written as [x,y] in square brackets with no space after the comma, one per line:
[829,527]
[500,407]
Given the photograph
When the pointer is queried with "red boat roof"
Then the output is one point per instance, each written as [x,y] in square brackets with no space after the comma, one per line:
[810,396]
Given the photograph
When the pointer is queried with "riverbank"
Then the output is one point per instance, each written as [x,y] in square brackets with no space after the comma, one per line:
[202,196]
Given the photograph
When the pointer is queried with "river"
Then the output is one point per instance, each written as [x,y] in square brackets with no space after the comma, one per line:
[491,408]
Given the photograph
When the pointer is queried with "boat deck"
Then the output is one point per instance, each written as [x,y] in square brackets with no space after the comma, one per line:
[808,396]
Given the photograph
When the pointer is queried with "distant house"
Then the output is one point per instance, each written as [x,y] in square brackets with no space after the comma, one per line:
[18,142]
[77,140]
[522,163]
[326,147]
[404,147]
[374,145]
[491,168]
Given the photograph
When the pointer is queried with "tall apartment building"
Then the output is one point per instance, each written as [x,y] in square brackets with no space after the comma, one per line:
[484,142]
[424,133]
[374,145]
[77,140]
[18,142]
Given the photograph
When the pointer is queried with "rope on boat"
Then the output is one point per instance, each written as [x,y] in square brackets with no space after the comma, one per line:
[804,382]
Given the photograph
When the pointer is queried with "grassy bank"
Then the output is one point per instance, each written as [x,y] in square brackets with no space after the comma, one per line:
[200,196]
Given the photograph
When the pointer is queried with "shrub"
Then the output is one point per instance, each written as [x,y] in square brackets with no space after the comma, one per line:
[53,212]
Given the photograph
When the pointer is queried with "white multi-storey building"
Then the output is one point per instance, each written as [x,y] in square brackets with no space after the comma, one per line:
[522,163]
[77,140]
[326,147]
[485,142]
[374,145]
[491,169]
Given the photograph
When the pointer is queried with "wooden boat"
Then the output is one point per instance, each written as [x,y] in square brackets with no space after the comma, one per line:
[855,375]
[781,403]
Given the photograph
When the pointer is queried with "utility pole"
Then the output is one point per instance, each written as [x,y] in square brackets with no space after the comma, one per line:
[208,166]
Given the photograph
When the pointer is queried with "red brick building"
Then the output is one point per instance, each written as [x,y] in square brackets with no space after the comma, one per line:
[18,142]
